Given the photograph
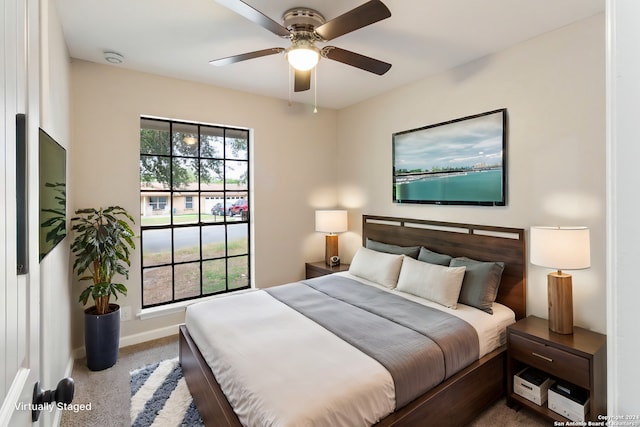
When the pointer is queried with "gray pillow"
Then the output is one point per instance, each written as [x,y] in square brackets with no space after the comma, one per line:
[411,251]
[480,283]
[433,257]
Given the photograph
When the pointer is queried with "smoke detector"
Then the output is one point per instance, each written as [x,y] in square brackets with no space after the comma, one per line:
[113,58]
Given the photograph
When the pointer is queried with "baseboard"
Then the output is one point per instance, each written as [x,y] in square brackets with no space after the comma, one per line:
[69,370]
[139,338]
[153,334]
[57,415]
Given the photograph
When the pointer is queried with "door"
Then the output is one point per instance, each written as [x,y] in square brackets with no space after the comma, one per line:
[19,295]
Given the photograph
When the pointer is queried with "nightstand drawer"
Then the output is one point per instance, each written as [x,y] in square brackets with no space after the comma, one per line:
[559,363]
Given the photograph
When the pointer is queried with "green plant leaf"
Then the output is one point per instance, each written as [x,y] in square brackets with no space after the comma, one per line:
[101,246]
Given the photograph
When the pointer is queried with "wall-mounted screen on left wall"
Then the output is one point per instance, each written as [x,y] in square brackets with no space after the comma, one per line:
[53,193]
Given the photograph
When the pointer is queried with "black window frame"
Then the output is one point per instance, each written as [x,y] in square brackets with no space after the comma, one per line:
[226,193]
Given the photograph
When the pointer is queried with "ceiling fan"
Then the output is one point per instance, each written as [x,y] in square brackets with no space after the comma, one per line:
[304,27]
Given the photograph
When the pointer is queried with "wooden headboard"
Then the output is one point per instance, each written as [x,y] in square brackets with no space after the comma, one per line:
[480,242]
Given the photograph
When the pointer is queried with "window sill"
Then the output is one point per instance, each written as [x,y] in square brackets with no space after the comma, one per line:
[180,307]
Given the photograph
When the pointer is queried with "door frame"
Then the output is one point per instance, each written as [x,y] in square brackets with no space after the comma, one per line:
[20,89]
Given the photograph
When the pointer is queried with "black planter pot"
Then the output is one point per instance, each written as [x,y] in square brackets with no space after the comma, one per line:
[102,337]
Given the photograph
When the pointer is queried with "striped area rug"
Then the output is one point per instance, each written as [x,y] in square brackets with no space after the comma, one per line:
[160,397]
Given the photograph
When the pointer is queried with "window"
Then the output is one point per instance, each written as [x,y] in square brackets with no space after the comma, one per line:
[195,210]
[157,203]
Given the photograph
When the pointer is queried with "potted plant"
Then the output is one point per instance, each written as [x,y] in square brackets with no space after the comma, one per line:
[102,244]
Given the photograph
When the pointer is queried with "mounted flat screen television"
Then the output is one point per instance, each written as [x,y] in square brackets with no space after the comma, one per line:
[53,196]
[459,162]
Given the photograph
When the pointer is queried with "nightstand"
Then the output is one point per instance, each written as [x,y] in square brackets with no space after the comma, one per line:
[579,358]
[320,268]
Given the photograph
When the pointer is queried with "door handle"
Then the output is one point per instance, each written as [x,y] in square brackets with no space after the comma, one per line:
[63,393]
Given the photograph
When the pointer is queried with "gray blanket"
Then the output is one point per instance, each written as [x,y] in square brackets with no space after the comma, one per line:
[418,345]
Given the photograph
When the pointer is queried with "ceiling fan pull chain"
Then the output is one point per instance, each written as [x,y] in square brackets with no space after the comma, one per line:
[289,85]
[315,90]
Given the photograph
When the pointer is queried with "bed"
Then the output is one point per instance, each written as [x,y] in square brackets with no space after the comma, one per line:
[460,397]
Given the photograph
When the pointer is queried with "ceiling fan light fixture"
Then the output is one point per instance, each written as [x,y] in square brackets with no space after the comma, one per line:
[303,58]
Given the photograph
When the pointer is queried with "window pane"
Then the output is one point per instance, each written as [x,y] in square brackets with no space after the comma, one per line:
[185,140]
[236,174]
[187,280]
[154,137]
[186,244]
[213,207]
[238,239]
[237,144]
[182,214]
[211,174]
[185,174]
[212,142]
[213,242]
[213,276]
[239,210]
[154,173]
[156,247]
[156,285]
[238,272]
[154,209]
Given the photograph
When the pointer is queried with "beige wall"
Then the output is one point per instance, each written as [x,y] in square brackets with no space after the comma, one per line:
[553,87]
[294,152]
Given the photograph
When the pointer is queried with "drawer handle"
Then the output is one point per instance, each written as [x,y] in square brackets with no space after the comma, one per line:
[548,359]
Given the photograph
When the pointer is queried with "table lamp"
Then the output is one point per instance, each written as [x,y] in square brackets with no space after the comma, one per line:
[332,222]
[561,248]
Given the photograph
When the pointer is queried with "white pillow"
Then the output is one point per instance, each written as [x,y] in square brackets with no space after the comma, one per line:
[431,281]
[379,267]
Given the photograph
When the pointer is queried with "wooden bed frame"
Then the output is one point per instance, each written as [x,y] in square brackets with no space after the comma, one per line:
[456,401]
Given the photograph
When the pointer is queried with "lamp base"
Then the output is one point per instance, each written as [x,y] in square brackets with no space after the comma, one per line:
[560,303]
[331,248]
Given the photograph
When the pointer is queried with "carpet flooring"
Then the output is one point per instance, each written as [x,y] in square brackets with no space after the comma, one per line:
[109,392]
[160,397]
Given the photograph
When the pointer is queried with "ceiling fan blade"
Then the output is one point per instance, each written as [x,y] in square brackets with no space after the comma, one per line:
[244,56]
[254,15]
[302,81]
[356,60]
[361,16]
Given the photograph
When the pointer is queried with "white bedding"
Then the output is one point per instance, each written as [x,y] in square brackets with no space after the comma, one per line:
[260,376]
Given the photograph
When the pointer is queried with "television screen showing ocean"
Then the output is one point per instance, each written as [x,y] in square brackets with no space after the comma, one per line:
[482,186]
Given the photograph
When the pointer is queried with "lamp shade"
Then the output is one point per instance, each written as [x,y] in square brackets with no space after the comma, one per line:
[561,248]
[332,221]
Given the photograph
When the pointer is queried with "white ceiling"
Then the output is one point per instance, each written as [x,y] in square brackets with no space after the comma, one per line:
[178,38]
